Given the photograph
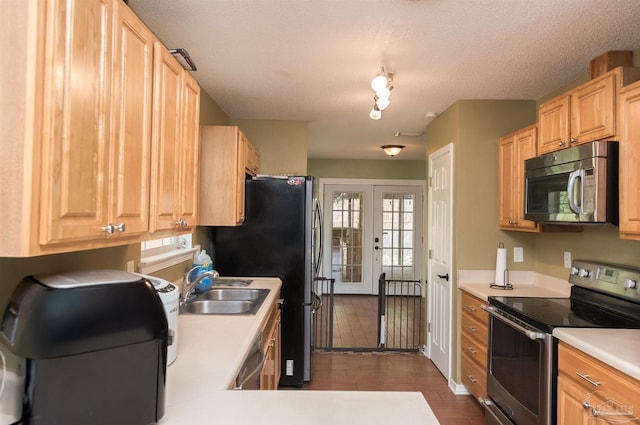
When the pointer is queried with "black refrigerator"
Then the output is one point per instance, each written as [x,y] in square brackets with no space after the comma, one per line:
[276,241]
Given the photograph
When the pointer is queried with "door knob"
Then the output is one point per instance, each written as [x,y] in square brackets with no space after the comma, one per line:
[444,276]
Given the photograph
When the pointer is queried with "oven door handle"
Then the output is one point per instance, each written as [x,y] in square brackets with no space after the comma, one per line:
[531,334]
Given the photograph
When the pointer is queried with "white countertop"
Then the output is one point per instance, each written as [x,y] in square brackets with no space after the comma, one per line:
[211,349]
[619,348]
[525,284]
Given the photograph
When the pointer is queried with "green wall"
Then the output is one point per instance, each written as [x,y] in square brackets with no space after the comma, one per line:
[474,126]
[367,169]
[282,144]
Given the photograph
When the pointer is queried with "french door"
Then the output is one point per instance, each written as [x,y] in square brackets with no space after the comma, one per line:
[371,228]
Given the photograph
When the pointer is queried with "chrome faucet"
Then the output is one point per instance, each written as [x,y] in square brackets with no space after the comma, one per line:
[188,285]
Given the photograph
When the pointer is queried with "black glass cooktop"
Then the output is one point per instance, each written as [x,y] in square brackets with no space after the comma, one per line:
[579,311]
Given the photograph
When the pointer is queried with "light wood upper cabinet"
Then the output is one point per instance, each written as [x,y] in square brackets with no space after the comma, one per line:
[252,158]
[64,129]
[131,122]
[225,167]
[629,146]
[175,145]
[513,149]
[585,114]
[585,383]
[75,120]
[553,124]
[190,152]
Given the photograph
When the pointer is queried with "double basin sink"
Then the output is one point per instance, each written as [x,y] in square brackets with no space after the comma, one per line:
[226,300]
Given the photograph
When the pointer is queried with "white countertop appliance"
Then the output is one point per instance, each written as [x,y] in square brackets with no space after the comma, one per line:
[86,347]
[170,296]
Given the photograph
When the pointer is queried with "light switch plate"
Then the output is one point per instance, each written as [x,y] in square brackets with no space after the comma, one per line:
[518,254]
[567,259]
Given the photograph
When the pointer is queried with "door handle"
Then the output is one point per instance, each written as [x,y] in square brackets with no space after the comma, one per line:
[444,276]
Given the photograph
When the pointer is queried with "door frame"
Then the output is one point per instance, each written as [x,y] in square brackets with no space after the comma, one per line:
[447,149]
[369,227]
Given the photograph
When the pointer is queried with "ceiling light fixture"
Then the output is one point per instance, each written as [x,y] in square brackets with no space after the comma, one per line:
[381,84]
[375,113]
[183,57]
[392,150]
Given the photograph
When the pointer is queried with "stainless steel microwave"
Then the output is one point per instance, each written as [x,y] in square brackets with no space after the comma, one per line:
[578,185]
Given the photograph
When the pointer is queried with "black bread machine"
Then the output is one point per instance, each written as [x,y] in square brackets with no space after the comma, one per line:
[83,348]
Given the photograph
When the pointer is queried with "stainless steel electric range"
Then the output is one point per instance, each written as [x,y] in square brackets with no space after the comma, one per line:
[522,353]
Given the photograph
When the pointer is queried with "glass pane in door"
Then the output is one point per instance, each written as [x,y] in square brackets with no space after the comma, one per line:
[346,237]
[398,235]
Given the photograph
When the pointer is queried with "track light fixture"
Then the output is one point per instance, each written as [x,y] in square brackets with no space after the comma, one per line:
[381,84]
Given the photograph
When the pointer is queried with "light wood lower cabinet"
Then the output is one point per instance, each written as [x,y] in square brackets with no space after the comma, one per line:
[474,338]
[228,156]
[592,392]
[270,375]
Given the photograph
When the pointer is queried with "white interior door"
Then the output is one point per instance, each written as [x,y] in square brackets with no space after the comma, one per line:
[348,228]
[440,257]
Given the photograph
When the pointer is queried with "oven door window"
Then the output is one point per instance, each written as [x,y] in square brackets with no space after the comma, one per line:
[516,363]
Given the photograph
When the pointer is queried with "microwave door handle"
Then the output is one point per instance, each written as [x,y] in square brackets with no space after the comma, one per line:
[573,205]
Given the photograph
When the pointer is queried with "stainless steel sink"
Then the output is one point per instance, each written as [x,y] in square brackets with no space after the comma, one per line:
[226,301]
[234,294]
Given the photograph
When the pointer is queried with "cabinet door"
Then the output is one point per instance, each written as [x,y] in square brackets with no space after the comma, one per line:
[593,110]
[525,148]
[629,159]
[131,113]
[570,407]
[506,158]
[240,177]
[553,125]
[166,134]
[190,153]
[75,133]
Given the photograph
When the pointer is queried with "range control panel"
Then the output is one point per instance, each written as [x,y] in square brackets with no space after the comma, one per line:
[614,279]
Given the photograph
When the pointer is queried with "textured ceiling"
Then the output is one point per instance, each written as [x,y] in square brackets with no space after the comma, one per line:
[314,60]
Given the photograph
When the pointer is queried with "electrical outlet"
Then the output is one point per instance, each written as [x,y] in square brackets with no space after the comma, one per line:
[289,367]
[567,259]
[518,254]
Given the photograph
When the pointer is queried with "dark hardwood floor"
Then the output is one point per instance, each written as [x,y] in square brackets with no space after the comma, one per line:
[394,372]
[355,325]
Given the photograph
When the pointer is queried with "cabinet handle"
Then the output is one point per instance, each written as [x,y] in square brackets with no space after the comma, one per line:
[588,379]
[472,328]
[574,140]
[108,229]
[560,143]
[472,308]
[472,350]
[471,378]
[119,227]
